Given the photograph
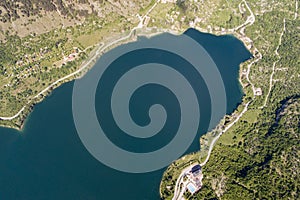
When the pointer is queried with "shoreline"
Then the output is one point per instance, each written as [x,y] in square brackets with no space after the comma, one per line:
[19,119]
[101,49]
[95,54]
[239,33]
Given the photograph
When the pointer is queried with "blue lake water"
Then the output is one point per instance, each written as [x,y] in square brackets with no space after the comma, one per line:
[48,161]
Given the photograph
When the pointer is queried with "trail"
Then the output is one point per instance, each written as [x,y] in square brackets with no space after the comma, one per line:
[274,65]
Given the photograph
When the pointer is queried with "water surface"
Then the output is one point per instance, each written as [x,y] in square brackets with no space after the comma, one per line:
[48,161]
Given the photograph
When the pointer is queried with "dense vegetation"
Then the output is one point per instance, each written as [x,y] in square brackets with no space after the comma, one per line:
[258,158]
[261,159]
[264,165]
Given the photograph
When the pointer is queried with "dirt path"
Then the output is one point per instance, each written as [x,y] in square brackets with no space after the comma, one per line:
[274,65]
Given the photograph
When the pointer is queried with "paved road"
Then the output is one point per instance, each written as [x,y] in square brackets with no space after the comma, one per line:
[226,129]
[100,50]
[177,192]
[250,20]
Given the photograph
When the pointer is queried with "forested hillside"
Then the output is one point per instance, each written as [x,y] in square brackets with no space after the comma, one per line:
[264,165]
[258,156]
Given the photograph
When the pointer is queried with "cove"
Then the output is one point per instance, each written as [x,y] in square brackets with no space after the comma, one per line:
[48,161]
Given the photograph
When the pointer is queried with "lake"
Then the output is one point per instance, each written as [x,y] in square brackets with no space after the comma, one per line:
[48,161]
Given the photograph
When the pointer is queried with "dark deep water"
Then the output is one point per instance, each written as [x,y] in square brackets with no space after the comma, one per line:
[48,161]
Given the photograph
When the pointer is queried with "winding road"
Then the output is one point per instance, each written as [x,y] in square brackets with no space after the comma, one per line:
[223,131]
[250,20]
[178,193]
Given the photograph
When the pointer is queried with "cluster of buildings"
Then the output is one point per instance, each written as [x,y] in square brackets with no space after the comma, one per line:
[72,56]
[195,177]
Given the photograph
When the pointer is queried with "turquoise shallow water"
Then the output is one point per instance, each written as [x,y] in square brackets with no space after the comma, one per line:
[48,161]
